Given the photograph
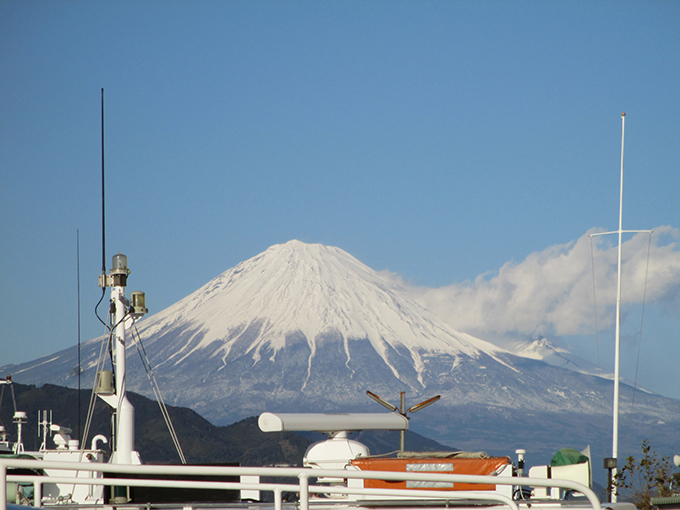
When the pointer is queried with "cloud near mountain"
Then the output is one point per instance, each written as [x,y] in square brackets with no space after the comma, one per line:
[551,292]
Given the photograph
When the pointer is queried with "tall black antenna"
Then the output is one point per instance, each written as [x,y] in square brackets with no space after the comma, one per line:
[102,277]
[103,208]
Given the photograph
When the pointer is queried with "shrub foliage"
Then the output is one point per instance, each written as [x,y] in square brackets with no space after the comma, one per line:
[650,476]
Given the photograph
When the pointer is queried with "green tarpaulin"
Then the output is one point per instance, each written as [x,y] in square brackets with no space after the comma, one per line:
[568,456]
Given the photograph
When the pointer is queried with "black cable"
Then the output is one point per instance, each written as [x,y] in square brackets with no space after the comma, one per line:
[96,307]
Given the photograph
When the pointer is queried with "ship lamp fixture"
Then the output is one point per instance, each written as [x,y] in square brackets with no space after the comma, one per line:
[138,304]
[117,277]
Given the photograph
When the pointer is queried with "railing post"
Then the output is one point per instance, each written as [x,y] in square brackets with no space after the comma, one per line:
[37,494]
[277,499]
[304,491]
[3,487]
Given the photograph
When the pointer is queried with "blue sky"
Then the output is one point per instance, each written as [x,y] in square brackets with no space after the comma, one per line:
[438,140]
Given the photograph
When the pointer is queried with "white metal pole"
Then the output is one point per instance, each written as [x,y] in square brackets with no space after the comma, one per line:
[615,433]
[304,491]
[125,412]
[277,499]
[117,296]
[402,411]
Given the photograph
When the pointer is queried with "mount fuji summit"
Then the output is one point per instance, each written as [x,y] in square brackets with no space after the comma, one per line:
[309,328]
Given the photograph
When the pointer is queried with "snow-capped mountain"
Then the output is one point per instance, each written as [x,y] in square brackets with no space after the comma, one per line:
[298,290]
[305,327]
[540,348]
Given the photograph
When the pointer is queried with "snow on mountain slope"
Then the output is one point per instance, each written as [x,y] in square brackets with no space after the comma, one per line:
[540,348]
[313,290]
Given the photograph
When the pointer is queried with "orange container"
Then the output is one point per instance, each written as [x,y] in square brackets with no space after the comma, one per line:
[431,465]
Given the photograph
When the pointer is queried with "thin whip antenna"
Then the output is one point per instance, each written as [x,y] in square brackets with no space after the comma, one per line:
[79,370]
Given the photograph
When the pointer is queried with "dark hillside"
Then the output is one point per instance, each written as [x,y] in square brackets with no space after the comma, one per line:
[202,442]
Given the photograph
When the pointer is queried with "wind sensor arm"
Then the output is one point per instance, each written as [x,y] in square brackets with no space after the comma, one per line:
[382,402]
[401,410]
[420,406]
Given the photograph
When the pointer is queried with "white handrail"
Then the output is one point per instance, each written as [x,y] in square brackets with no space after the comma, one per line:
[316,489]
[302,474]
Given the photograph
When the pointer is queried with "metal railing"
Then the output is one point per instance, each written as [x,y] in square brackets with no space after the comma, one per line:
[301,486]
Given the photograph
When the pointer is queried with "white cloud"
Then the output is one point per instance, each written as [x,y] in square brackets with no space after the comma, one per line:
[551,292]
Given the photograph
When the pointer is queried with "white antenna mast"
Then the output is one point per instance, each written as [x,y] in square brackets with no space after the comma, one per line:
[617,344]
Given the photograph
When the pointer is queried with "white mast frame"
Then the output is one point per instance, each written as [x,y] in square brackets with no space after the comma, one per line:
[617,344]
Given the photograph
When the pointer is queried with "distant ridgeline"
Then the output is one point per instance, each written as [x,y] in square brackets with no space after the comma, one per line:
[202,442]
